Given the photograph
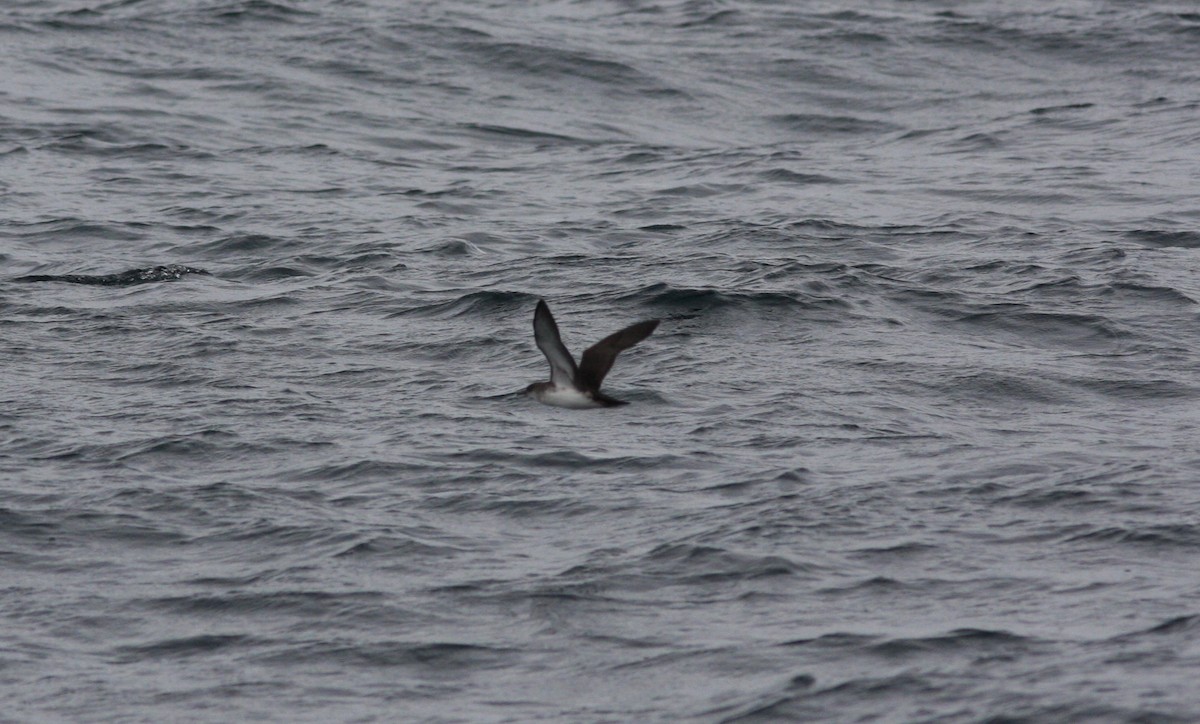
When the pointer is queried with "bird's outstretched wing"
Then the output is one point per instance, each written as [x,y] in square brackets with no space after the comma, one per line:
[599,358]
[563,372]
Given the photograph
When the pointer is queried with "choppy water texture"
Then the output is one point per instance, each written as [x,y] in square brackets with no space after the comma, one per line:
[915,440]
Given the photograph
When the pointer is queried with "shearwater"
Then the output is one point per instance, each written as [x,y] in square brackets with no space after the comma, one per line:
[579,387]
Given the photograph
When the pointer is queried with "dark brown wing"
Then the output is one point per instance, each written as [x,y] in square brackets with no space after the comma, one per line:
[599,358]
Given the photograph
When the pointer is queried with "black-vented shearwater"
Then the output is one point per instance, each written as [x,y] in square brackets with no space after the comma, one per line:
[579,387]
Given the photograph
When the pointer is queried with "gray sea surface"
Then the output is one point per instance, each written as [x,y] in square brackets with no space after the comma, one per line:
[915,440]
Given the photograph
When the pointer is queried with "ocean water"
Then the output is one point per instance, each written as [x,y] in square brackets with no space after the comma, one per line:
[915,440]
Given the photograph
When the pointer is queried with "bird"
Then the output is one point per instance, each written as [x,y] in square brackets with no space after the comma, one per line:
[579,386]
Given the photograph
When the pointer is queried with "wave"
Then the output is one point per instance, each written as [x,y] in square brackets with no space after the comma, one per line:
[167,273]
